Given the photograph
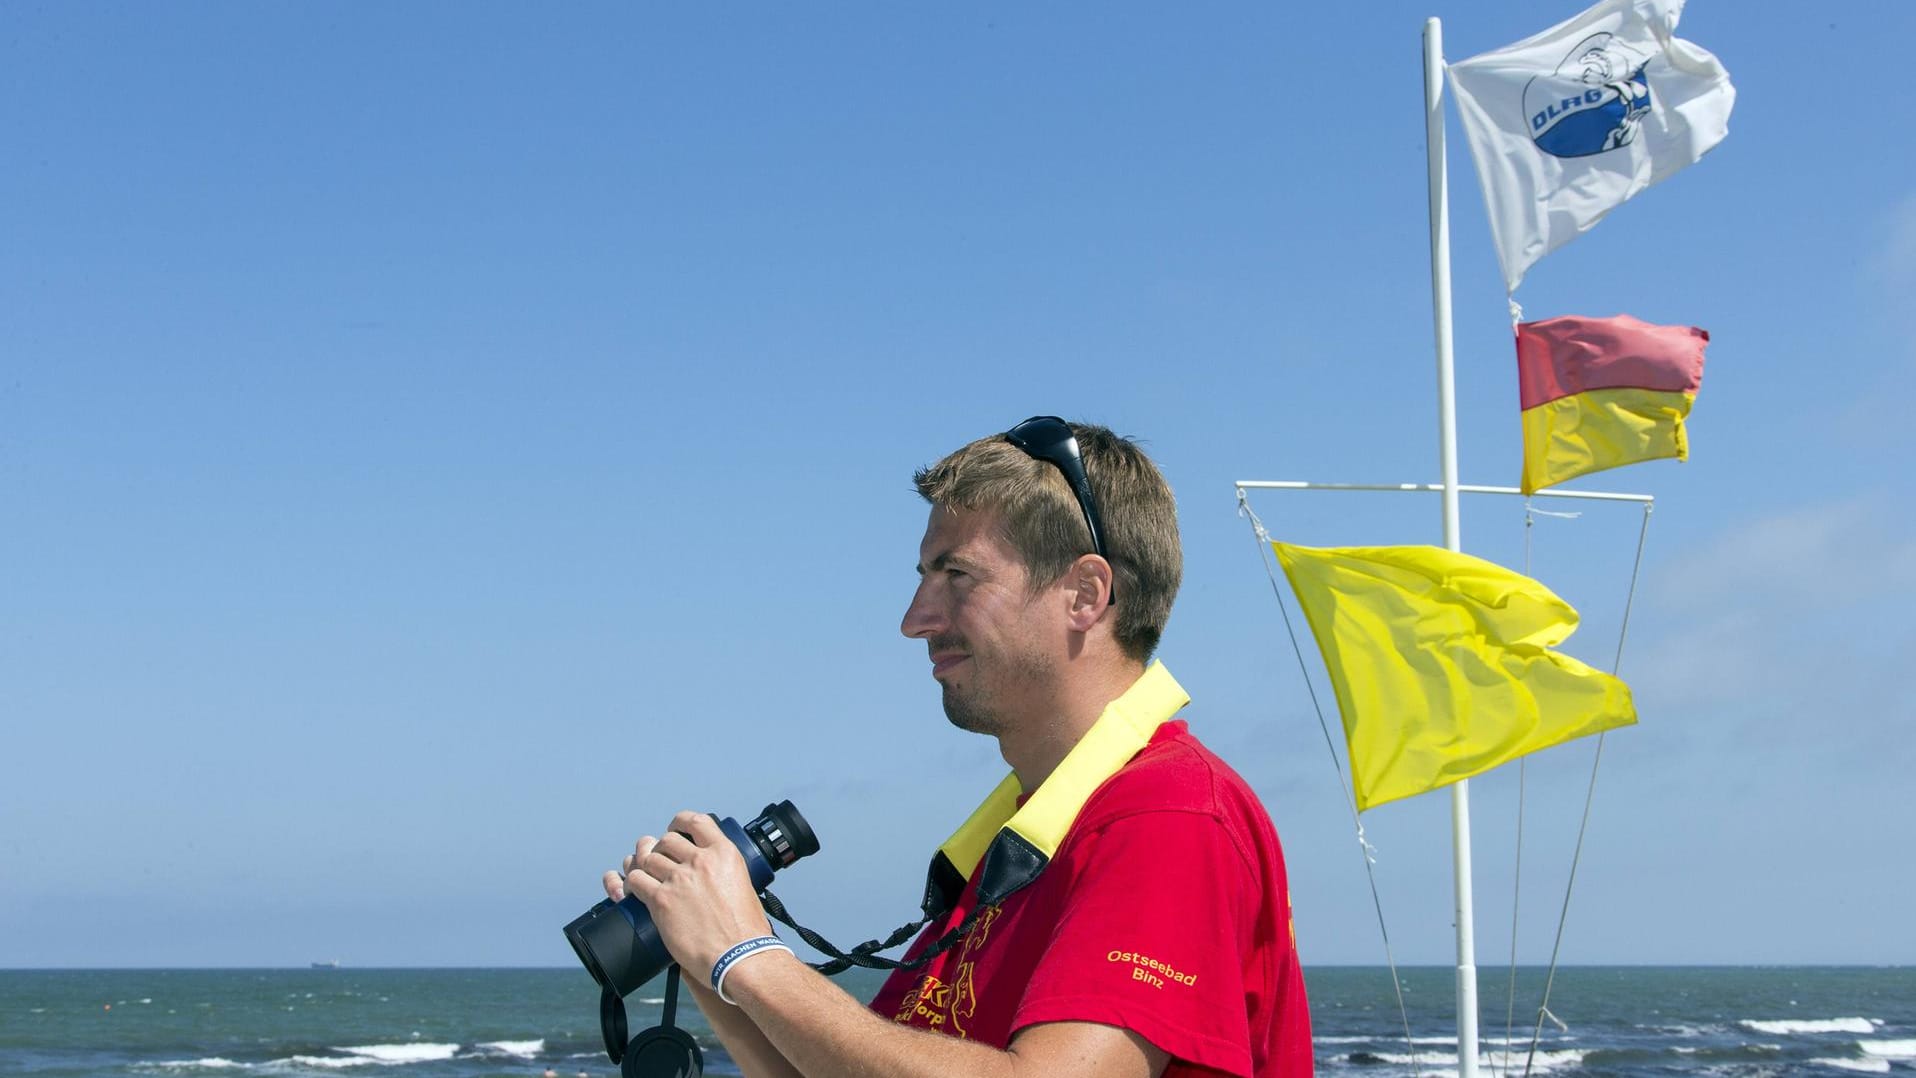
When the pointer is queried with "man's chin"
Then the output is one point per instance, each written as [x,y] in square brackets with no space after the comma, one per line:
[967,716]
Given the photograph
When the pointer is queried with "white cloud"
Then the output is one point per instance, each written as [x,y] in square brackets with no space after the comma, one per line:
[1828,556]
[1788,636]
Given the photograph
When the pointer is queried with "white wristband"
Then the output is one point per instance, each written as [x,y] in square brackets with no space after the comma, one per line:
[738,952]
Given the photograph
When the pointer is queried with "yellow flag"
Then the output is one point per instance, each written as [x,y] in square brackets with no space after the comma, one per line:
[1442,665]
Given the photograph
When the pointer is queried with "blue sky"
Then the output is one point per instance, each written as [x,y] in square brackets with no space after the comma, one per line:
[439,441]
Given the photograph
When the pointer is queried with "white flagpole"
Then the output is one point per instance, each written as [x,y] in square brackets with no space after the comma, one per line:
[1447,451]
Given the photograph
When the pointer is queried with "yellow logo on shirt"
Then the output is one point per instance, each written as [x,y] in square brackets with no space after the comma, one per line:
[1150,970]
[935,1004]
[927,1003]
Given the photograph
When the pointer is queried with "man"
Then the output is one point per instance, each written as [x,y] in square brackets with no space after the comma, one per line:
[1118,906]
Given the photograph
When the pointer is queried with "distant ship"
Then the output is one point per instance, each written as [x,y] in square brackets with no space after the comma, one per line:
[334,964]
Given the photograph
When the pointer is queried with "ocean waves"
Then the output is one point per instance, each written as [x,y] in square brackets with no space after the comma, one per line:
[1444,1064]
[1627,1021]
[1865,1066]
[401,1053]
[1792,1026]
[1623,1022]
[357,1056]
[1870,1056]
[1875,1057]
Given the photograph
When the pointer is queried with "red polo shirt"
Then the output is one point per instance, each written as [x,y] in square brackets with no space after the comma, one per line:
[1166,911]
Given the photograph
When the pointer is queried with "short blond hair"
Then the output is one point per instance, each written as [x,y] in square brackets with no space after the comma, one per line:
[1042,522]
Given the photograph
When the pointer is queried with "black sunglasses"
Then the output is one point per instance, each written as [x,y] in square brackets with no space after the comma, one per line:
[1048,438]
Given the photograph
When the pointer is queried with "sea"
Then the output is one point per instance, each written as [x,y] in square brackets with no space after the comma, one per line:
[480,1023]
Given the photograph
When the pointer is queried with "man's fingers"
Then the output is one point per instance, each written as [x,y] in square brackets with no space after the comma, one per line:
[616,883]
[675,847]
[689,832]
[638,855]
[700,827]
[639,885]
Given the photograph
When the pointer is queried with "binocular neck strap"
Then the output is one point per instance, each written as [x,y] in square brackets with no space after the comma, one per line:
[865,954]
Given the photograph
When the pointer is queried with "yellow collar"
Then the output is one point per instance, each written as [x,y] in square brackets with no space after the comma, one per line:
[1016,843]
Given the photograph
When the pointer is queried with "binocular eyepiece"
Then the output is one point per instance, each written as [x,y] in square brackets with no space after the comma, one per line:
[618,943]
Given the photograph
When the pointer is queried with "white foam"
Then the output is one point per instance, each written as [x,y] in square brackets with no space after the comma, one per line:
[403,1053]
[331,1063]
[1524,1041]
[1386,1039]
[651,999]
[1685,1031]
[214,1063]
[1427,1059]
[1490,1061]
[1888,1049]
[1545,1061]
[1819,1025]
[1868,1066]
[522,1049]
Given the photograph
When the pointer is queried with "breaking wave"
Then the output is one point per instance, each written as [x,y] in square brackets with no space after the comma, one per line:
[1867,1066]
[519,1049]
[1819,1025]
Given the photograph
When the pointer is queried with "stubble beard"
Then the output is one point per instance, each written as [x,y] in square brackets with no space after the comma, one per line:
[980,710]
[970,714]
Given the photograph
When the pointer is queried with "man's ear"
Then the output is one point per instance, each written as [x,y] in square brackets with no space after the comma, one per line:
[1090,580]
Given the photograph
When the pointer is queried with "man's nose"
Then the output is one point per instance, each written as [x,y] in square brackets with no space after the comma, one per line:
[924,617]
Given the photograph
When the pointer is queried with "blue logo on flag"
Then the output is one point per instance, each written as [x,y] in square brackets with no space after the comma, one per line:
[1594,102]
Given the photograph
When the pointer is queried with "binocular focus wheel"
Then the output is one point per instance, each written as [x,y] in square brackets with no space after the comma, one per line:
[663,1052]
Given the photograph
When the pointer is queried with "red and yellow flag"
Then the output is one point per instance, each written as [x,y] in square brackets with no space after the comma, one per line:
[1603,392]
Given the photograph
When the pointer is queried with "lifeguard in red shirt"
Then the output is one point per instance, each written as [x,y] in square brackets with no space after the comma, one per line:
[1117,906]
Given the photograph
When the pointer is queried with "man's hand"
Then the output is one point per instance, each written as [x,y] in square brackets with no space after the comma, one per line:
[694,883]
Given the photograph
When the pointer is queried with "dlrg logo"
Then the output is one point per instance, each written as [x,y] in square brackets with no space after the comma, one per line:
[1593,102]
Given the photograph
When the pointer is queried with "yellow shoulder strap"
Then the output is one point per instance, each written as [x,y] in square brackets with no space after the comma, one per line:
[1016,843]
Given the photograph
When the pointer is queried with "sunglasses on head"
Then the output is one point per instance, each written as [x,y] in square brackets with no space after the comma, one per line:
[1049,438]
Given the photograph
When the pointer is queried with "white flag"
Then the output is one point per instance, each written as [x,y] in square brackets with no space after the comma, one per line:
[1568,124]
